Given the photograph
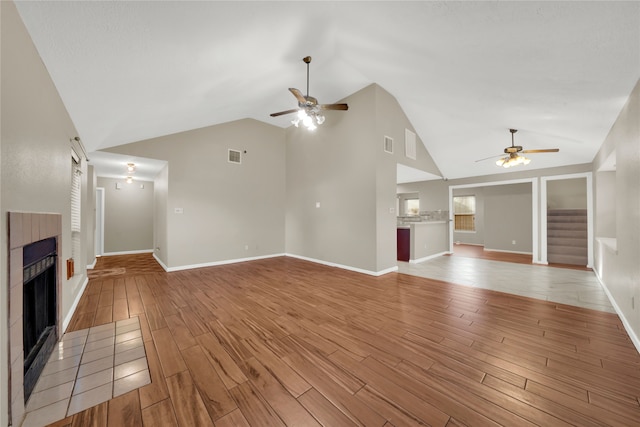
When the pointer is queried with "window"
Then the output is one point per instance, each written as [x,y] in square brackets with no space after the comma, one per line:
[464,213]
[412,206]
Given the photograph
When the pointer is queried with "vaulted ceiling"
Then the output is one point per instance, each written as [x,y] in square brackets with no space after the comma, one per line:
[464,72]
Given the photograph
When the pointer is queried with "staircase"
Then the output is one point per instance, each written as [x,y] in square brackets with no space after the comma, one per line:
[567,236]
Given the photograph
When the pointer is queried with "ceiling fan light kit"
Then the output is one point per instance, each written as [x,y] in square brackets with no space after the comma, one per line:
[309,111]
[514,157]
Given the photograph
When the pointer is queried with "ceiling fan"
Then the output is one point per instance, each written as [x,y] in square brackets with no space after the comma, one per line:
[514,152]
[308,108]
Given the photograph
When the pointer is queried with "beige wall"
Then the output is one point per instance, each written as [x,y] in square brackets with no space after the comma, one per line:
[230,211]
[35,160]
[128,215]
[619,268]
[508,218]
[343,167]
[567,193]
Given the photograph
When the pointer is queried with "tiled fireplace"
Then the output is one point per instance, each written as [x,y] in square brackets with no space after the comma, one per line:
[25,229]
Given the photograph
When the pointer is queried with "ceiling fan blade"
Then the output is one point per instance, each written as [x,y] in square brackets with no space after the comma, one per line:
[299,96]
[282,113]
[545,150]
[333,106]
[492,157]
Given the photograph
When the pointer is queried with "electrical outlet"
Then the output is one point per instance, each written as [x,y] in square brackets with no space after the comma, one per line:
[246,247]
[513,242]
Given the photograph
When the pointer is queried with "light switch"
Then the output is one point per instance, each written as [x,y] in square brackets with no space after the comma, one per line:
[317,204]
[178,210]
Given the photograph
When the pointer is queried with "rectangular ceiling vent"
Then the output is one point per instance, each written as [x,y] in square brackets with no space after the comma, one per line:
[409,144]
[235,156]
[388,144]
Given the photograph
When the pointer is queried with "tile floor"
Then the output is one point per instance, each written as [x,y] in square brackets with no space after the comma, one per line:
[573,287]
[86,368]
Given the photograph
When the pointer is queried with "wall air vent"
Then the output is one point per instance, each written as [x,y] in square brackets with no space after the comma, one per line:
[409,144]
[235,156]
[388,144]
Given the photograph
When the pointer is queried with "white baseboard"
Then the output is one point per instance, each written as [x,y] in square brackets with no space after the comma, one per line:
[345,267]
[93,264]
[143,251]
[72,310]
[215,263]
[627,326]
[427,258]
[162,264]
[508,252]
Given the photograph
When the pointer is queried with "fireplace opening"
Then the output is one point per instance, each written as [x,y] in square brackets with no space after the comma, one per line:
[39,309]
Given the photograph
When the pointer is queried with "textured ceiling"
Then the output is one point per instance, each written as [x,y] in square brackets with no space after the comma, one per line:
[464,72]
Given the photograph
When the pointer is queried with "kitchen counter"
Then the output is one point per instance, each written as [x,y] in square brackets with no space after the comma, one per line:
[427,239]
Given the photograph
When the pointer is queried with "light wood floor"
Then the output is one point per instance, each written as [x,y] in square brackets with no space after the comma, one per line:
[288,342]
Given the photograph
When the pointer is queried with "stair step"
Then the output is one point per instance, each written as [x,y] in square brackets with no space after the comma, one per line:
[571,234]
[571,212]
[567,259]
[566,218]
[566,225]
[567,241]
[566,250]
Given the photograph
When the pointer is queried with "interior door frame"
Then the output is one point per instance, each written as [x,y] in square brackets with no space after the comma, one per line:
[543,213]
[535,248]
[99,233]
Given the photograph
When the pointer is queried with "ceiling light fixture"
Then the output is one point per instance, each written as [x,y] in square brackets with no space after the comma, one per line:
[131,167]
[129,179]
[309,118]
[513,159]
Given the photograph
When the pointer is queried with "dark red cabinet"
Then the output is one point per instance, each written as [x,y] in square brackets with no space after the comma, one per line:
[404,244]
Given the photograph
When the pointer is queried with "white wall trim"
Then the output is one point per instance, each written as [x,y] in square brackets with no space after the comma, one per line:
[345,267]
[534,210]
[72,310]
[427,258]
[215,263]
[142,251]
[93,264]
[627,326]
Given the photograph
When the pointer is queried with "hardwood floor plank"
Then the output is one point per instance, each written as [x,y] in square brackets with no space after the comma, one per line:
[180,332]
[233,419]
[294,383]
[168,352]
[104,314]
[154,317]
[327,414]
[120,309]
[96,416]
[187,403]
[160,414]
[254,407]
[124,410]
[157,391]
[227,368]
[214,394]
[285,405]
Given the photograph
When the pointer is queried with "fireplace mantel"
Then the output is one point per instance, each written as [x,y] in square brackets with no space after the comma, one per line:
[25,228]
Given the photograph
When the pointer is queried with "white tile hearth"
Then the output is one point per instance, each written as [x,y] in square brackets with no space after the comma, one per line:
[86,368]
